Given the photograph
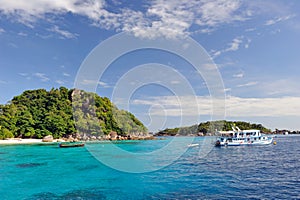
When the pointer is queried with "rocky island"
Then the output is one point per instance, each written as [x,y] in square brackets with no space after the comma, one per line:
[67,115]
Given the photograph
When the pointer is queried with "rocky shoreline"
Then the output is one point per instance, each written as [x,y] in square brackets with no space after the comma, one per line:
[113,136]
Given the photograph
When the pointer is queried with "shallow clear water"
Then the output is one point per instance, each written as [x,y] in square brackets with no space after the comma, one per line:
[249,172]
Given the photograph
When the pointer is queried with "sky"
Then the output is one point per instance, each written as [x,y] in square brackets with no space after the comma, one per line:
[254,44]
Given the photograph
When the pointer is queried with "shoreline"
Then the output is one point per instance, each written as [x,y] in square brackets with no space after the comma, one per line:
[19,141]
[24,141]
[16,141]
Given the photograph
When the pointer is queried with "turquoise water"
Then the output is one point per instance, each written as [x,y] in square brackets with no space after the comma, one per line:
[49,172]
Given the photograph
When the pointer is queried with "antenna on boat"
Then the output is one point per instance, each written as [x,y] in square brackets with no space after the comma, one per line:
[238,129]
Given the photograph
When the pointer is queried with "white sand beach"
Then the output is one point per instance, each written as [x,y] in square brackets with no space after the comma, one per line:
[27,141]
[20,141]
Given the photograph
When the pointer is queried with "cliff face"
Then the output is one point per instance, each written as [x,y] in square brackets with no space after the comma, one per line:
[60,112]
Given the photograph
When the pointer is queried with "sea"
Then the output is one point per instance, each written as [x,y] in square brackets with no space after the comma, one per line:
[44,172]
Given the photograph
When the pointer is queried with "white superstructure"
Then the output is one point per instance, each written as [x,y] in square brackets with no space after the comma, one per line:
[244,137]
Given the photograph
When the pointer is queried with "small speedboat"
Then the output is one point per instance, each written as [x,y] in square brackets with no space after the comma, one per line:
[193,145]
[71,144]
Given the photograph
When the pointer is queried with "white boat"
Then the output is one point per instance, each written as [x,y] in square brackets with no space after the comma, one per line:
[193,145]
[244,137]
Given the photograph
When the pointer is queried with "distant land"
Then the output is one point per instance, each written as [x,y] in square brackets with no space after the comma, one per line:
[211,127]
[39,113]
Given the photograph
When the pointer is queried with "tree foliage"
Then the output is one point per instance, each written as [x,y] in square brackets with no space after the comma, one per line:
[212,127]
[37,113]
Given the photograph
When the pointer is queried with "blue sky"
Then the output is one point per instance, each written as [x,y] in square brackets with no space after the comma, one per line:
[255,45]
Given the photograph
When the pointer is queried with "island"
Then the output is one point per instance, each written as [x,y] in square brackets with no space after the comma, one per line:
[210,128]
[66,114]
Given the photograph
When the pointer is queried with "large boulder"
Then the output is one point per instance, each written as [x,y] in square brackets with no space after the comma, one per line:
[48,138]
[113,135]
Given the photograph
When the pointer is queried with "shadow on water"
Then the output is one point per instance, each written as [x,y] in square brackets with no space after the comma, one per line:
[86,194]
[28,165]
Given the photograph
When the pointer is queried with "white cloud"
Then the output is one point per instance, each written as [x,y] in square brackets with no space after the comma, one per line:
[23,74]
[30,11]
[174,18]
[247,43]
[232,46]
[239,75]
[288,87]
[161,18]
[105,85]
[2,30]
[216,53]
[212,13]
[22,34]
[274,32]
[59,82]
[63,33]
[175,82]
[44,36]
[66,74]
[278,19]
[3,82]
[269,107]
[92,82]
[234,106]
[177,106]
[227,89]
[248,84]
[250,30]
[266,87]
[41,76]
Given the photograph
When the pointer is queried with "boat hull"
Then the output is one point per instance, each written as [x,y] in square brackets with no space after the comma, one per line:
[69,145]
[244,142]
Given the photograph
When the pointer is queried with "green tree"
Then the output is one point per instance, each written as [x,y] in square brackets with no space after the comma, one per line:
[5,133]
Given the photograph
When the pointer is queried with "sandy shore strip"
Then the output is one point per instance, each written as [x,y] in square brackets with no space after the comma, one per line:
[21,141]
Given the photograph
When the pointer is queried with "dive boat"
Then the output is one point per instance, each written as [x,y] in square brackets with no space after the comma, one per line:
[244,137]
[70,144]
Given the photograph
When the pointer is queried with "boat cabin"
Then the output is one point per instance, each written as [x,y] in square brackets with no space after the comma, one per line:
[247,133]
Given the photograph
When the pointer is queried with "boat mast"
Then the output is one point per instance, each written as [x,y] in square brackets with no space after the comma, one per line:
[235,132]
[239,130]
